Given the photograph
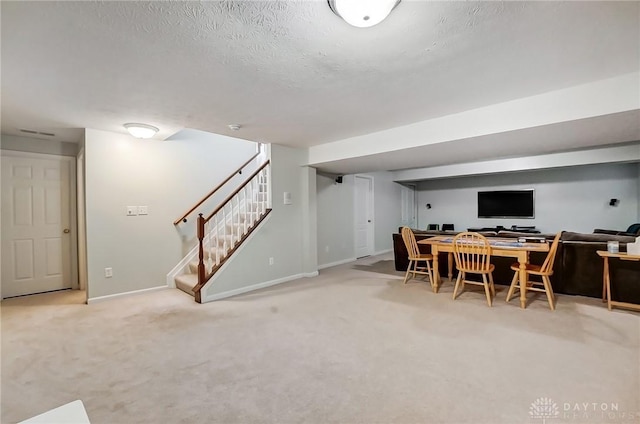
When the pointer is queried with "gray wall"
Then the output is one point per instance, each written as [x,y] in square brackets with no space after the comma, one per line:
[573,199]
[34,145]
[281,236]
[335,219]
[388,211]
[336,231]
[166,176]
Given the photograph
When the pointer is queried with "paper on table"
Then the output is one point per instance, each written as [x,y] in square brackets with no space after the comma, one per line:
[634,248]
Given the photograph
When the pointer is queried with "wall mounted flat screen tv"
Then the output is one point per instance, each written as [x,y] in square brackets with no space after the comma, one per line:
[506,204]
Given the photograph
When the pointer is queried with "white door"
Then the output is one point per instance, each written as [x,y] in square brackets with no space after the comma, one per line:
[364,216]
[408,208]
[36,236]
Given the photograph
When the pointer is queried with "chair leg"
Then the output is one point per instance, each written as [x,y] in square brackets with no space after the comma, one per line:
[491,285]
[487,290]
[430,273]
[549,291]
[455,289]
[512,287]
[406,275]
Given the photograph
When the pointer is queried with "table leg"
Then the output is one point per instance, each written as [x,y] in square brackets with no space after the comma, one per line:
[436,272]
[607,281]
[605,272]
[523,281]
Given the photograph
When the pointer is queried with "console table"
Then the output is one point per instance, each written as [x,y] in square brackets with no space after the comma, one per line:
[606,279]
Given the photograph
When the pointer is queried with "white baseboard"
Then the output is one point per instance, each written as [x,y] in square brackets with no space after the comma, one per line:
[125,294]
[344,261]
[179,269]
[310,274]
[382,252]
[258,286]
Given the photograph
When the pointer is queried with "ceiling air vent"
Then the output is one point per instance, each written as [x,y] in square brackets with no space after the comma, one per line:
[48,134]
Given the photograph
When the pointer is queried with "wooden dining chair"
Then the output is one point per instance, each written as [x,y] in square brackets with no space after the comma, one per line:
[472,253]
[415,257]
[544,271]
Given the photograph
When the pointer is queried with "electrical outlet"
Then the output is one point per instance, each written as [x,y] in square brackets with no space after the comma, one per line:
[132,210]
[143,210]
[108,272]
[271,261]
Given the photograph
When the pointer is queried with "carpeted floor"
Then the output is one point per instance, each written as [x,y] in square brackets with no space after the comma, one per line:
[353,345]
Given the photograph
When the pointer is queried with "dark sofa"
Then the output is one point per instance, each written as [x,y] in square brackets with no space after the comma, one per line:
[577,269]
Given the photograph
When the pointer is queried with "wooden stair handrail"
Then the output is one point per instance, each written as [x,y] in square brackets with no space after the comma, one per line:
[225,201]
[183,218]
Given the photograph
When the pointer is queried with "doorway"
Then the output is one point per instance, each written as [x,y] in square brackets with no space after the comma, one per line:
[39,246]
[364,225]
[408,206]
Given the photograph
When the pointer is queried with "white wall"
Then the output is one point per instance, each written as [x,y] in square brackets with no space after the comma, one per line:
[572,199]
[336,216]
[622,153]
[309,220]
[280,236]
[166,176]
[335,210]
[387,209]
[598,98]
[34,145]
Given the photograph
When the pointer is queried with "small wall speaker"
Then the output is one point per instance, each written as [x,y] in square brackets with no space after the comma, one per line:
[428,205]
[339,179]
[613,202]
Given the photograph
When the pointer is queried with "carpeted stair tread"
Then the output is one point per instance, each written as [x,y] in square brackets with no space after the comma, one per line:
[186,282]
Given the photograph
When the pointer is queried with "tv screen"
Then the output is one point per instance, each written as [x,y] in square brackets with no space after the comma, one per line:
[505,204]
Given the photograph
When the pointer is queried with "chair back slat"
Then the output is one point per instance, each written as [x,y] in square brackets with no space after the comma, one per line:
[547,266]
[472,252]
[410,242]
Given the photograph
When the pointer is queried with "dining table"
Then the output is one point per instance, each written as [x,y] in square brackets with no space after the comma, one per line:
[507,247]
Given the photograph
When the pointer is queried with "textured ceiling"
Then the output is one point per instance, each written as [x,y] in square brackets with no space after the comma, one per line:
[291,72]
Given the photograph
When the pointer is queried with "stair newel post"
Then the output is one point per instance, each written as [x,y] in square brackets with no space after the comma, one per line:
[201,250]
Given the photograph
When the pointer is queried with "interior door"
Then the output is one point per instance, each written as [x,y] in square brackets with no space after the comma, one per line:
[36,234]
[364,216]
[408,208]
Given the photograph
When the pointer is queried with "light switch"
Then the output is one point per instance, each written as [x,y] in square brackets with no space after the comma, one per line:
[287,198]
[132,210]
[143,210]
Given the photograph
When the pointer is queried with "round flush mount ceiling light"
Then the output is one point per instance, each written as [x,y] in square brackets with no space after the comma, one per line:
[363,13]
[141,130]
[234,127]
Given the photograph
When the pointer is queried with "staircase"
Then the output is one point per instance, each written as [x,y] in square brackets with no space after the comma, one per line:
[224,230]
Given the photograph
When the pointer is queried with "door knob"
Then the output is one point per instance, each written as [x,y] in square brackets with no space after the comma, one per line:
[66,231]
